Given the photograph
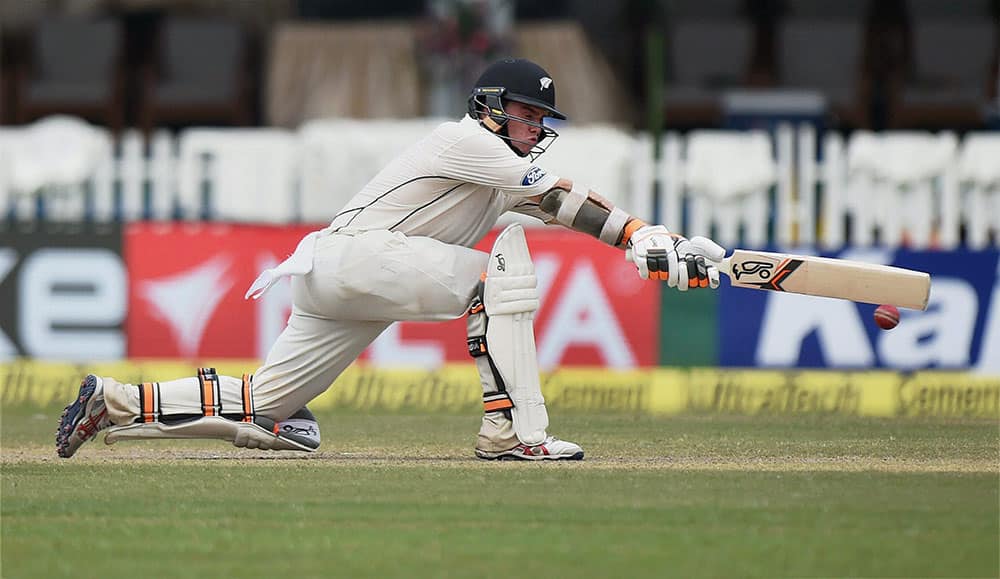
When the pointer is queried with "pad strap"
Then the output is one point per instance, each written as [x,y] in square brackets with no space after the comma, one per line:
[477,346]
[211,398]
[247,397]
[184,404]
[476,324]
[497,402]
[149,402]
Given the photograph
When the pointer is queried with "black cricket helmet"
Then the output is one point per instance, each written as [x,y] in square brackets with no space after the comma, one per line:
[520,80]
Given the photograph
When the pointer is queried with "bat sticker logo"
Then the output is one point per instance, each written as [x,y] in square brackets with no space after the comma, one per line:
[501,262]
[308,430]
[761,269]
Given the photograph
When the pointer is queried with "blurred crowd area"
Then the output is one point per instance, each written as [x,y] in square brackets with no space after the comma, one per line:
[850,64]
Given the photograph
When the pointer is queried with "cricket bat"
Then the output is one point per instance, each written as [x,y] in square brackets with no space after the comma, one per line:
[827,277]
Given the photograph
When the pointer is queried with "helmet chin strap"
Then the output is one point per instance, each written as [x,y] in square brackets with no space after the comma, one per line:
[490,124]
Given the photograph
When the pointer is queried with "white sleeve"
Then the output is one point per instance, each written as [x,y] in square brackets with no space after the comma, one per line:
[486,160]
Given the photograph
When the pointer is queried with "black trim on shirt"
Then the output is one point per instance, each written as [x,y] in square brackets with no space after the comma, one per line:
[428,204]
[379,198]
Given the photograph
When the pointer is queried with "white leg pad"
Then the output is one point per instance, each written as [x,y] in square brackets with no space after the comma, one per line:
[241,434]
[510,296]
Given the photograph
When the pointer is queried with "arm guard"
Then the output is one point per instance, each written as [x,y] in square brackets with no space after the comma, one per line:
[590,213]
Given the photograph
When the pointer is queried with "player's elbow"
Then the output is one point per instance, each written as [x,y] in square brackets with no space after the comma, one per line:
[564,184]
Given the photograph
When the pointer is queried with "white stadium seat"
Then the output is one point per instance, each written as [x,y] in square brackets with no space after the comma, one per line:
[979,174]
[902,182]
[916,189]
[340,156]
[10,140]
[727,175]
[55,159]
[251,174]
[599,157]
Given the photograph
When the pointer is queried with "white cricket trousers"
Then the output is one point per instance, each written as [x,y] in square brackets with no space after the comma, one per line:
[360,283]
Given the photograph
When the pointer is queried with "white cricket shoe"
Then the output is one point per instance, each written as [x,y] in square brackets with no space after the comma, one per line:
[551,449]
[84,418]
[497,441]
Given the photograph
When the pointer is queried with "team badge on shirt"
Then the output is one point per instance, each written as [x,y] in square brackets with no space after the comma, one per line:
[533,175]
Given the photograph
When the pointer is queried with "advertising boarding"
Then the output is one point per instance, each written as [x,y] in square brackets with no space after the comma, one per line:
[959,330]
[62,292]
[186,287]
[174,291]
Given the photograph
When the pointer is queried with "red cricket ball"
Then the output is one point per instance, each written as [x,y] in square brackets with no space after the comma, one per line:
[886,317]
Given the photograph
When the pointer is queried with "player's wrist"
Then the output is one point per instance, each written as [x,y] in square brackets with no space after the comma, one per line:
[633,225]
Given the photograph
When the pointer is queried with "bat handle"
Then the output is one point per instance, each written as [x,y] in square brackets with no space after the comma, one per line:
[725,265]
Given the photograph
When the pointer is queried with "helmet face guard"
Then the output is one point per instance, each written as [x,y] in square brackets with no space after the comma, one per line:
[486,106]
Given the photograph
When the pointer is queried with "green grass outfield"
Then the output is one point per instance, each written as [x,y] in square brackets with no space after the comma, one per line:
[397,495]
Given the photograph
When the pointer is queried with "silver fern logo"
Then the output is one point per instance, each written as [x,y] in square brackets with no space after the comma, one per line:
[545,81]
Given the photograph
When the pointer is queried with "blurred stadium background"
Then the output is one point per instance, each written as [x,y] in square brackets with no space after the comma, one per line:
[156,154]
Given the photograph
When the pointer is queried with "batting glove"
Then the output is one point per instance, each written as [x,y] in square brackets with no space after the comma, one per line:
[683,263]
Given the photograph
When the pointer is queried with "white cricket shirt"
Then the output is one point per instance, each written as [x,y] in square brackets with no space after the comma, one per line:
[451,186]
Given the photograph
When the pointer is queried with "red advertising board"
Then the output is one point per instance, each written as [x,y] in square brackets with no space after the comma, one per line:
[186,286]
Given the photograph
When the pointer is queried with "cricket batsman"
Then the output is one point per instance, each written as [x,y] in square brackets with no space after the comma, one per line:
[401,249]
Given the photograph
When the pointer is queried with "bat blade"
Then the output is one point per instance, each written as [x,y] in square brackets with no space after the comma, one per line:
[826,277]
